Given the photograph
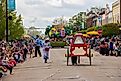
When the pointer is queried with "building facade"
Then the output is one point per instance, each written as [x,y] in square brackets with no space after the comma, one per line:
[94,16]
[107,18]
[99,16]
[116,10]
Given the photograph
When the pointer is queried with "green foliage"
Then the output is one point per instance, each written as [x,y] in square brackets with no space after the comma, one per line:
[58,44]
[2,22]
[110,29]
[47,30]
[83,31]
[15,25]
[68,30]
[91,29]
[76,22]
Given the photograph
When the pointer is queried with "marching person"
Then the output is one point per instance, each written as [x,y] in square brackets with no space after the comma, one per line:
[73,58]
[46,48]
[38,44]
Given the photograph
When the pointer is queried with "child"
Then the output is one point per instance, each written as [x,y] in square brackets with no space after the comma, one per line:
[46,48]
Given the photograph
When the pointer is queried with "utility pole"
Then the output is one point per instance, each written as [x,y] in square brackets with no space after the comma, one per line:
[6,20]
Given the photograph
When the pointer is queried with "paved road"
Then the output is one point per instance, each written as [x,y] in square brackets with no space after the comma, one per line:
[103,69]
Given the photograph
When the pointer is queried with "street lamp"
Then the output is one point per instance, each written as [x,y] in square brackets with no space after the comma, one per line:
[120,11]
[6,20]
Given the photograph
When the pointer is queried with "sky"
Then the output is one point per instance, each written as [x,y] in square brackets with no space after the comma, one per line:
[41,13]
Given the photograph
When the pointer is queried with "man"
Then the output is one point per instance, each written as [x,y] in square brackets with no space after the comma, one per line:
[111,47]
[38,44]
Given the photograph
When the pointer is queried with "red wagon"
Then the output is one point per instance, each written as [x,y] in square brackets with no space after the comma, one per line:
[78,48]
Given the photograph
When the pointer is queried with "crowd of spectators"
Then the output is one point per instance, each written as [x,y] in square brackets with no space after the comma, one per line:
[109,46]
[13,53]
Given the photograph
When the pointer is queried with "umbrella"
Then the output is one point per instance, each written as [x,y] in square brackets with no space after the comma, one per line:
[26,36]
[53,29]
[93,33]
[119,28]
[85,35]
[78,34]
[62,29]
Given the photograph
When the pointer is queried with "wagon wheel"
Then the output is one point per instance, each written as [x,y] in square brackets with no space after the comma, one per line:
[67,56]
[90,56]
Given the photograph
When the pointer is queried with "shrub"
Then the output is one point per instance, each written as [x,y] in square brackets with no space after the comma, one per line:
[110,29]
[58,44]
[91,29]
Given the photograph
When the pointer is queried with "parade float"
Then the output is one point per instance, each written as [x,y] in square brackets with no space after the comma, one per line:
[57,33]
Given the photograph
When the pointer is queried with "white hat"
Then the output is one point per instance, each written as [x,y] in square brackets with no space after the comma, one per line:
[47,39]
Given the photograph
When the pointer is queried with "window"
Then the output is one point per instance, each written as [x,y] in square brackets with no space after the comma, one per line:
[79,40]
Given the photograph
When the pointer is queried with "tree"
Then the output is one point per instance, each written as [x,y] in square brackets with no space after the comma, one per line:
[92,29]
[77,22]
[68,30]
[110,29]
[2,21]
[15,25]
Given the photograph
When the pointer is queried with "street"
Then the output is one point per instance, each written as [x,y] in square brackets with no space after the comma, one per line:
[104,68]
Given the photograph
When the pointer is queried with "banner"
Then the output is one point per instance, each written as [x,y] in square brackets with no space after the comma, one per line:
[0,1]
[11,5]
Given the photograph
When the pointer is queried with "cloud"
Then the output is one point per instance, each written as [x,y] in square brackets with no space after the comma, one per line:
[52,3]
[56,3]
[40,13]
[77,2]
[32,2]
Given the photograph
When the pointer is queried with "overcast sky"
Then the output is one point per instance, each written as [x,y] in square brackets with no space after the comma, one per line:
[40,13]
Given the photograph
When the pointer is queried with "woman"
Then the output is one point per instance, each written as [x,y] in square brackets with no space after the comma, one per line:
[106,49]
[102,48]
